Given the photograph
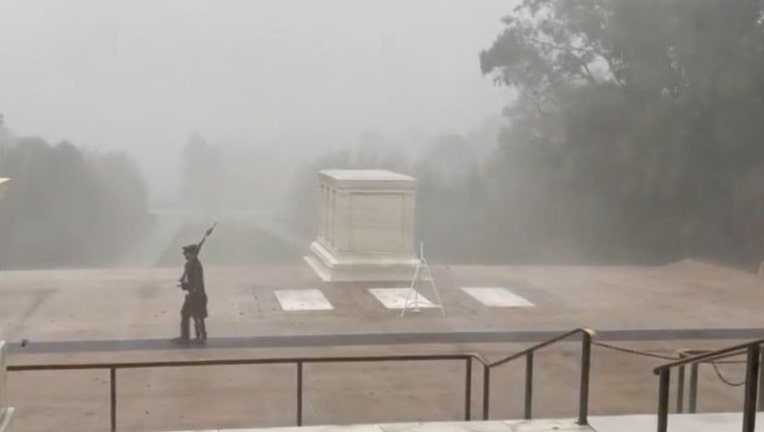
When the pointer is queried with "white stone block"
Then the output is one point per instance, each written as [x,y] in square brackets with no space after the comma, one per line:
[2,375]
[6,420]
[4,182]
[366,226]
[5,411]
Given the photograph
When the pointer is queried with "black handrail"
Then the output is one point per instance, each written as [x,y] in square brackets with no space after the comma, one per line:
[692,399]
[712,355]
[232,362]
[298,361]
[528,353]
[541,345]
[751,392]
[468,358]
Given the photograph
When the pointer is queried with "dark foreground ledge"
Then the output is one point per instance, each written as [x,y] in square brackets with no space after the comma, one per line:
[324,340]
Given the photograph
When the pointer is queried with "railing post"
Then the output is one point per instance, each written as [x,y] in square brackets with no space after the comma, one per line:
[528,386]
[299,393]
[586,360]
[693,404]
[468,389]
[680,390]
[113,397]
[486,390]
[663,399]
[751,383]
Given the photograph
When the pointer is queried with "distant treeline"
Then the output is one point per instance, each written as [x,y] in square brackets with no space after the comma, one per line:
[67,207]
[637,136]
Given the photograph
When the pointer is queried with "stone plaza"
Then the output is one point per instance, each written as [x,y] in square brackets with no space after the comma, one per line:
[137,312]
[347,303]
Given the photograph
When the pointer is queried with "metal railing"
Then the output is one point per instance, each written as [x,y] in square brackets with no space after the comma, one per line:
[528,354]
[752,378]
[299,362]
[692,396]
[468,359]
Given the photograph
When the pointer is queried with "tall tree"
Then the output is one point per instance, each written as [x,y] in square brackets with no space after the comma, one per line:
[67,208]
[639,121]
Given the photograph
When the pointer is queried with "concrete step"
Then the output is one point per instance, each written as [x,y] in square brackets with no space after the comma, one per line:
[715,422]
[562,425]
[712,422]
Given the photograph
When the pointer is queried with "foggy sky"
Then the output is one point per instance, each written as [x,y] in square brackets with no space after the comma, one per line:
[301,75]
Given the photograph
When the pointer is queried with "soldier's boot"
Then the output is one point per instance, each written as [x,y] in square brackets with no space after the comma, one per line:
[185,330]
[203,328]
[201,331]
[199,327]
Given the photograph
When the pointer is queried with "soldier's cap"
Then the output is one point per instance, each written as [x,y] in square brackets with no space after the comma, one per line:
[192,248]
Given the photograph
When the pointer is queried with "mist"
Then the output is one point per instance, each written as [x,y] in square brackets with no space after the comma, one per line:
[553,131]
[291,78]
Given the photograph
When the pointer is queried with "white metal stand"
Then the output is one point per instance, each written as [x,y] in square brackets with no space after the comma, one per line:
[421,267]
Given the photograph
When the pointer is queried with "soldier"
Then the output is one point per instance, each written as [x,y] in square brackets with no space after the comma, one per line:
[195,304]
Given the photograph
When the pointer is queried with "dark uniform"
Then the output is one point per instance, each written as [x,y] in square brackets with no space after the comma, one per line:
[195,304]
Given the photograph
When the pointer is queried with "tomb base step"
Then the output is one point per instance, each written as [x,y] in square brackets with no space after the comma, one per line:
[335,269]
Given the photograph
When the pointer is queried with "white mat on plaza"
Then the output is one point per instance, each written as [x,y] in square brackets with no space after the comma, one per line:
[301,300]
[395,298]
[497,297]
